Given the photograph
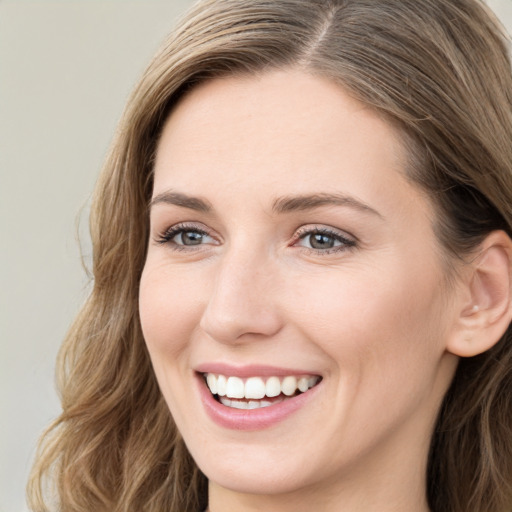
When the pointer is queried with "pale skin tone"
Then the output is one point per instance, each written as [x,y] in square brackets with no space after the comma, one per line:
[368,309]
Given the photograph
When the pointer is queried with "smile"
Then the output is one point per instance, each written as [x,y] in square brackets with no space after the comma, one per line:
[257,392]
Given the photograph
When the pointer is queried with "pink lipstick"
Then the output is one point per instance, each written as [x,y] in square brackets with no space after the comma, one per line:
[253,397]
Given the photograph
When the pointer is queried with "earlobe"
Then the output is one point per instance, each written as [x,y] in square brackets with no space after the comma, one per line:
[486,310]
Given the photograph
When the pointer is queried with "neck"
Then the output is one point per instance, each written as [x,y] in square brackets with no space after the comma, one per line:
[349,502]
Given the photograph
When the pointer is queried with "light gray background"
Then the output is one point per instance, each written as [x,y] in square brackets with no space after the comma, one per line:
[66,69]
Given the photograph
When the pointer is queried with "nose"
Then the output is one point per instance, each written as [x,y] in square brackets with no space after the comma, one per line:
[242,302]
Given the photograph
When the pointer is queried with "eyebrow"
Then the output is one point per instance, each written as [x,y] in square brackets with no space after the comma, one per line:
[285,204]
[183,200]
[308,202]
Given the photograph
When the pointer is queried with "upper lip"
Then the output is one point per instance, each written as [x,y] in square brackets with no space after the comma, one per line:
[252,370]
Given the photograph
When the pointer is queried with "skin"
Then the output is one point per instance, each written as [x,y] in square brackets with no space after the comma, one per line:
[373,317]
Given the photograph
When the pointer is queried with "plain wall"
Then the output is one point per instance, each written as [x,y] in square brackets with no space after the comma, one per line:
[66,69]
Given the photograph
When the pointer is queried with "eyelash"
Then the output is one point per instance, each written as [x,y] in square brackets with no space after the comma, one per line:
[346,243]
[167,236]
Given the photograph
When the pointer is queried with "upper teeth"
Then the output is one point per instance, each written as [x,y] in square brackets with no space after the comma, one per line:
[258,387]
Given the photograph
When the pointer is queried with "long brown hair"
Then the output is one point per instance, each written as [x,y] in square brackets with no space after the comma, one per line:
[440,71]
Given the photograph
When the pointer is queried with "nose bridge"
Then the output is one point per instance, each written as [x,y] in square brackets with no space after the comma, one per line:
[242,298]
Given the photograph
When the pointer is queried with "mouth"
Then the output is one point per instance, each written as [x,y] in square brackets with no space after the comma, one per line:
[257,392]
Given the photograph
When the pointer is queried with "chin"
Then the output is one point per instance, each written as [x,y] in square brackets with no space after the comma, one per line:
[247,478]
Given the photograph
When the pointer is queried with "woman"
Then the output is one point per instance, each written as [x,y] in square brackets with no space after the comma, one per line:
[302,270]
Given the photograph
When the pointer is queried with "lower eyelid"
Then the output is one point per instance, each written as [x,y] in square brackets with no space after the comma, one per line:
[336,248]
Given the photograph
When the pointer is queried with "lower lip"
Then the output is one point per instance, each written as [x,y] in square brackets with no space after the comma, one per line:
[251,419]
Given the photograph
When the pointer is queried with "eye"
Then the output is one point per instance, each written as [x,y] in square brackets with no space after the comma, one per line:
[324,240]
[190,238]
[182,236]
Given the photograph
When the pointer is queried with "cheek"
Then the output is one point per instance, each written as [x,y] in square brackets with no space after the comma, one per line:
[170,308]
[383,333]
[378,320]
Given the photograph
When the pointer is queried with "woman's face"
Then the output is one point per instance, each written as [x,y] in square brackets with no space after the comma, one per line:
[293,266]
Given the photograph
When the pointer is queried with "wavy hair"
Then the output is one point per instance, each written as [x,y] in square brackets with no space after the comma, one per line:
[440,71]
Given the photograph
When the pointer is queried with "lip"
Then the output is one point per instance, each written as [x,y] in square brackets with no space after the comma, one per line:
[251,419]
[247,371]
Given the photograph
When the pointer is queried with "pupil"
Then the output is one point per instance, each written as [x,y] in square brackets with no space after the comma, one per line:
[191,238]
[320,241]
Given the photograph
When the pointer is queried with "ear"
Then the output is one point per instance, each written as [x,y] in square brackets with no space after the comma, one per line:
[485,307]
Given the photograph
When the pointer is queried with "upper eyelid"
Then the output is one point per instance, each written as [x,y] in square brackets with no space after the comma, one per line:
[319,228]
[188,225]
[299,232]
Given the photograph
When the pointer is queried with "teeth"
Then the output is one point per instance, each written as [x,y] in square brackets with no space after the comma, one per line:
[235,388]
[251,404]
[273,387]
[302,384]
[221,385]
[256,388]
[289,386]
[212,383]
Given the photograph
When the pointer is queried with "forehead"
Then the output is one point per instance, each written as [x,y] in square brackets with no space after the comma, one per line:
[288,129]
